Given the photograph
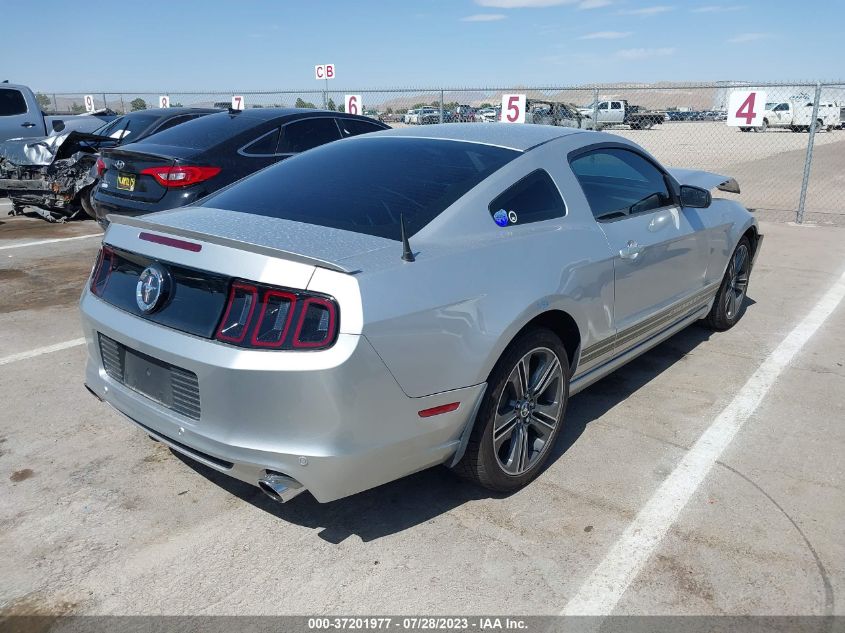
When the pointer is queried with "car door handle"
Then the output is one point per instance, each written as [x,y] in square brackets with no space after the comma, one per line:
[27,124]
[630,251]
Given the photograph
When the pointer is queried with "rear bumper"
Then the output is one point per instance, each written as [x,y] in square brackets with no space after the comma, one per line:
[337,422]
[105,203]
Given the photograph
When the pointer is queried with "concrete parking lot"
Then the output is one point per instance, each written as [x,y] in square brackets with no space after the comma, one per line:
[95,518]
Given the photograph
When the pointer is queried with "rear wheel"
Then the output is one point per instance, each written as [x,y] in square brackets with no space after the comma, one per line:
[521,413]
[85,201]
[729,304]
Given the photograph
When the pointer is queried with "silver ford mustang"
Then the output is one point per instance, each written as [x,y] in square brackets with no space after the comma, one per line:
[407,298]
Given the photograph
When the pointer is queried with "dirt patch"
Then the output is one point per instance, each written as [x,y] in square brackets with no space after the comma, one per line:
[21,475]
[53,281]
[33,613]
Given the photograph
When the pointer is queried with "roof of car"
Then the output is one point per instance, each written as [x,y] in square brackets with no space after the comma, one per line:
[517,137]
[175,111]
[265,114]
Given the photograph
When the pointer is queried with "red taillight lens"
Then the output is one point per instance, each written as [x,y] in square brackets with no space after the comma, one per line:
[273,321]
[101,167]
[102,270]
[239,310]
[259,316]
[316,323]
[181,176]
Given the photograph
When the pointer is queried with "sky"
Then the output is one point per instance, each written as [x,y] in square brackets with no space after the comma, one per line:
[171,46]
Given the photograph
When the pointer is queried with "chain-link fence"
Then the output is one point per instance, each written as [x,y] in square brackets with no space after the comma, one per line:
[685,126]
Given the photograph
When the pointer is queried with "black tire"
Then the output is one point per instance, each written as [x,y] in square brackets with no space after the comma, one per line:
[85,201]
[728,307]
[481,462]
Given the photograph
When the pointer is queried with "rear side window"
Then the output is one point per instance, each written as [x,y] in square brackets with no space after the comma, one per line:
[177,120]
[533,199]
[619,182]
[264,145]
[354,127]
[204,132]
[11,102]
[307,134]
[365,184]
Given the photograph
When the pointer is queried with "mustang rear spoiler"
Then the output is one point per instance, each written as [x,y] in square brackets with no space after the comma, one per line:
[705,180]
[225,241]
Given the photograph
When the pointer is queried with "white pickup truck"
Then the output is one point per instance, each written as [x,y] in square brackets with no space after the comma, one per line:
[21,116]
[797,115]
[620,112]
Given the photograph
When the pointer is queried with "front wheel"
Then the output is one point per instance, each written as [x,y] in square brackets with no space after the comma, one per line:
[729,304]
[521,413]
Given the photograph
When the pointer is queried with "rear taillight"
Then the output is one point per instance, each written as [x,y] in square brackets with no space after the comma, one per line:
[181,176]
[102,270]
[101,167]
[265,317]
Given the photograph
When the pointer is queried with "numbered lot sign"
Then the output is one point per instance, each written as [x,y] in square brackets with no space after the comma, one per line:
[237,102]
[354,104]
[513,109]
[164,101]
[324,71]
[89,103]
[746,108]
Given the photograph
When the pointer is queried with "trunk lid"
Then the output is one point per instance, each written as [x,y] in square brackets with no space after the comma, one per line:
[308,243]
[123,177]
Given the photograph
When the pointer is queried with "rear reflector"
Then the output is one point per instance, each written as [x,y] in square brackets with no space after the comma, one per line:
[443,408]
[171,241]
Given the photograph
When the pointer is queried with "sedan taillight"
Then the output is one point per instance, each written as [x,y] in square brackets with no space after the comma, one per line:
[265,317]
[101,167]
[181,176]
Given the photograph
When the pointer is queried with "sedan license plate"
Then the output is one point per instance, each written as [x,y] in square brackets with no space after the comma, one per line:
[126,182]
[148,376]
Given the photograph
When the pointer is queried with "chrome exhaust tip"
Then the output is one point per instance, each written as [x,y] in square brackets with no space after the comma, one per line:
[280,487]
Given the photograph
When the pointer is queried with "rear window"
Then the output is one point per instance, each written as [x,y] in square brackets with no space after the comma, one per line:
[306,134]
[204,132]
[363,185]
[11,102]
[128,126]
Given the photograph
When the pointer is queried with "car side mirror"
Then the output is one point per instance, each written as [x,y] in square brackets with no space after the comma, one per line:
[695,197]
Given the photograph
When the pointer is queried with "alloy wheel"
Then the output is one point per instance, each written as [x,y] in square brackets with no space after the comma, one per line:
[528,411]
[737,281]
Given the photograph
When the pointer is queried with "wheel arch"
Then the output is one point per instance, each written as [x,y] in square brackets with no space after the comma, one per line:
[562,324]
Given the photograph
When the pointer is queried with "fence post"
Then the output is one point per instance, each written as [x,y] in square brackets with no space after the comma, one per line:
[441,105]
[122,105]
[596,109]
[808,161]
[55,104]
[105,103]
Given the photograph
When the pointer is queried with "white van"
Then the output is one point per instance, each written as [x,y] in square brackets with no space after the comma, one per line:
[797,115]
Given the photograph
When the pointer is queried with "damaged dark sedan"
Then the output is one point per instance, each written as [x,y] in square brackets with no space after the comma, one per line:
[56,174]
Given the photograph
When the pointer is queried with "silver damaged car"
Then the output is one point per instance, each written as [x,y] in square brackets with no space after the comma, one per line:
[406,298]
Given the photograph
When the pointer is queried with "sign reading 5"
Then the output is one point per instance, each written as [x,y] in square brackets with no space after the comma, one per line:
[513,109]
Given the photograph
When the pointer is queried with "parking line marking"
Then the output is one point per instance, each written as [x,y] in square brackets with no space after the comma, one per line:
[603,589]
[53,241]
[41,350]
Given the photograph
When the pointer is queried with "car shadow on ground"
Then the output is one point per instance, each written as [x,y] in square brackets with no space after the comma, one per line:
[412,500]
